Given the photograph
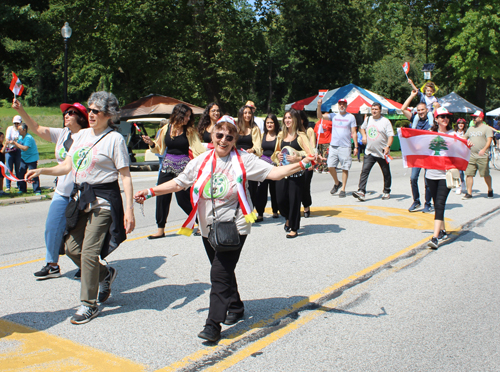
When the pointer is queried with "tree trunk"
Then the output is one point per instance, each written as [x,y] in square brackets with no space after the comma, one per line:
[481,93]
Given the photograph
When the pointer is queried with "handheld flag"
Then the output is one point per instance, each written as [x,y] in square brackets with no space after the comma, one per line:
[16,86]
[388,158]
[322,93]
[7,173]
[433,150]
[406,68]
[137,127]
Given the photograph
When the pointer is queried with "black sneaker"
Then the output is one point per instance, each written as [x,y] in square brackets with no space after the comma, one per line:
[336,188]
[443,235]
[210,333]
[78,275]
[490,194]
[105,285]
[433,243]
[48,272]
[466,196]
[233,318]
[84,314]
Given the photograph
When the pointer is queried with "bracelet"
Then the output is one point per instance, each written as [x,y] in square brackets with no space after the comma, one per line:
[302,165]
[152,191]
[150,194]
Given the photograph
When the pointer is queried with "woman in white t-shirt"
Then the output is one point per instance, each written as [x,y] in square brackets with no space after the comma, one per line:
[231,171]
[97,157]
[12,153]
[436,179]
[460,129]
[75,118]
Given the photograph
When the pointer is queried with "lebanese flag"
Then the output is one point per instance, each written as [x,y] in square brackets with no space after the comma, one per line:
[8,174]
[406,67]
[433,150]
[16,86]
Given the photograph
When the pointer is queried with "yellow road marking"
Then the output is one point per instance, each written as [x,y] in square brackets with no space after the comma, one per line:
[22,263]
[284,312]
[386,216]
[26,349]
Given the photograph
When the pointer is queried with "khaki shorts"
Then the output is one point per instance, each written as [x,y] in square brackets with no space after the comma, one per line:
[340,155]
[475,164]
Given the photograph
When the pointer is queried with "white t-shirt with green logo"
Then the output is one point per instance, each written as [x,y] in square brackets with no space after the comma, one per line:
[226,194]
[59,136]
[102,162]
[378,132]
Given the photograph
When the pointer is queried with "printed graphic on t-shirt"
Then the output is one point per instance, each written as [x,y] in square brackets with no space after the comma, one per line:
[222,186]
[61,153]
[372,133]
[83,163]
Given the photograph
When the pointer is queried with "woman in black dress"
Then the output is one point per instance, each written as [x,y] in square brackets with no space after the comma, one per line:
[207,122]
[269,139]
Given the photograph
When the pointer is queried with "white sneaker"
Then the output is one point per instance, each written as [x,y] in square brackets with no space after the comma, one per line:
[458,190]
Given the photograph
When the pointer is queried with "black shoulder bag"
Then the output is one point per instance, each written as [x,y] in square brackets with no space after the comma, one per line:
[71,212]
[223,236]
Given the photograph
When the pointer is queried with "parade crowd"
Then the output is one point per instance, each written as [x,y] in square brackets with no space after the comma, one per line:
[220,170]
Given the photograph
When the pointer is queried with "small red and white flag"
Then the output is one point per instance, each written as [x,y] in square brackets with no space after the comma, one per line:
[388,158]
[16,86]
[322,92]
[137,127]
[433,150]
[406,68]
[8,174]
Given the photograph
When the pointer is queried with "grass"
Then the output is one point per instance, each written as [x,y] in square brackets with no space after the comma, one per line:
[13,193]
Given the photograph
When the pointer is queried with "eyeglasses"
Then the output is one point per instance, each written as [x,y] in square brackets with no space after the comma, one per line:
[94,111]
[70,113]
[219,136]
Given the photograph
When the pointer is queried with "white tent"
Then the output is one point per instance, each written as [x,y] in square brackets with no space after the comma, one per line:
[494,112]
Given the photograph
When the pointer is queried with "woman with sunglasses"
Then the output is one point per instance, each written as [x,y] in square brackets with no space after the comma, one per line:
[271,130]
[460,129]
[436,179]
[97,157]
[178,137]
[75,118]
[207,123]
[289,190]
[249,140]
[231,168]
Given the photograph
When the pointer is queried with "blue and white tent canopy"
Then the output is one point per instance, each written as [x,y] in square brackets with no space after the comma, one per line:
[359,101]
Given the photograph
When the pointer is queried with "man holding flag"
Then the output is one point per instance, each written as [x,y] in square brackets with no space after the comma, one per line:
[378,135]
[422,120]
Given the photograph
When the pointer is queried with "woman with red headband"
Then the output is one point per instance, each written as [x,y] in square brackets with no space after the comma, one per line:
[219,180]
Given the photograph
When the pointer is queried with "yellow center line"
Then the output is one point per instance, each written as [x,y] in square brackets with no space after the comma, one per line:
[41,259]
[197,355]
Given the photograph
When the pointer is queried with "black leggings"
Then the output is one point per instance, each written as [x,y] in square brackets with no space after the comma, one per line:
[261,197]
[163,201]
[306,193]
[439,192]
[289,193]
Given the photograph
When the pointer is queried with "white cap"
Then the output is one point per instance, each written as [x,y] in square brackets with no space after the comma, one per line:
[17,119]
[226,119]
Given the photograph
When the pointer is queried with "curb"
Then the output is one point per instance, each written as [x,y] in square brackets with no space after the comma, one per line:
[29,199]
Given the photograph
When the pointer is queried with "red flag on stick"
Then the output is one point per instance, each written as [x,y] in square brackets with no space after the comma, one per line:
[16,86]
[406,68]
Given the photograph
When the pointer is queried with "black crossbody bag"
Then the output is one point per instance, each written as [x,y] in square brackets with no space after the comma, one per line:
[71,212]
[223,236]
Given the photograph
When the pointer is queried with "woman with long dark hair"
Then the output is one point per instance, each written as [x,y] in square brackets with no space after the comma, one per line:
[460,129]
[207,122]
[289,190]
[436,179]
[97,157]
[249,140]
[75,119]
[178,137]
[269,139]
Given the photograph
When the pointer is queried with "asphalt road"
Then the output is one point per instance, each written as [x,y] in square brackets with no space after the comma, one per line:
[356,291]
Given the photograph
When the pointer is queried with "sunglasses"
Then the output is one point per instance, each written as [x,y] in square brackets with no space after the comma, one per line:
[94,111]
[443,116]
[70,113]
[220,136]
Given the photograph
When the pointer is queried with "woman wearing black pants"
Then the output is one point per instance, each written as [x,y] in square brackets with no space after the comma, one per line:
[436,179]
[306,191]
[271,130]
[289,190]
[178,137]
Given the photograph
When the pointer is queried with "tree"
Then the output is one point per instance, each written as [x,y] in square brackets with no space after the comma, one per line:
[438,144]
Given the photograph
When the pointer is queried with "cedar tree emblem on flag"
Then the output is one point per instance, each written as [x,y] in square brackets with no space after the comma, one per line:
[16,86]
[438,144]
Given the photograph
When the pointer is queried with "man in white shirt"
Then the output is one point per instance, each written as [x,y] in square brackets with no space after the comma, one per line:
[343,128]
[378,135]
[258,121]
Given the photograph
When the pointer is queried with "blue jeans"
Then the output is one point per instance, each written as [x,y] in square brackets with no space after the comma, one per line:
[23,169]
[13,162]
[415,172]
[54,227]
